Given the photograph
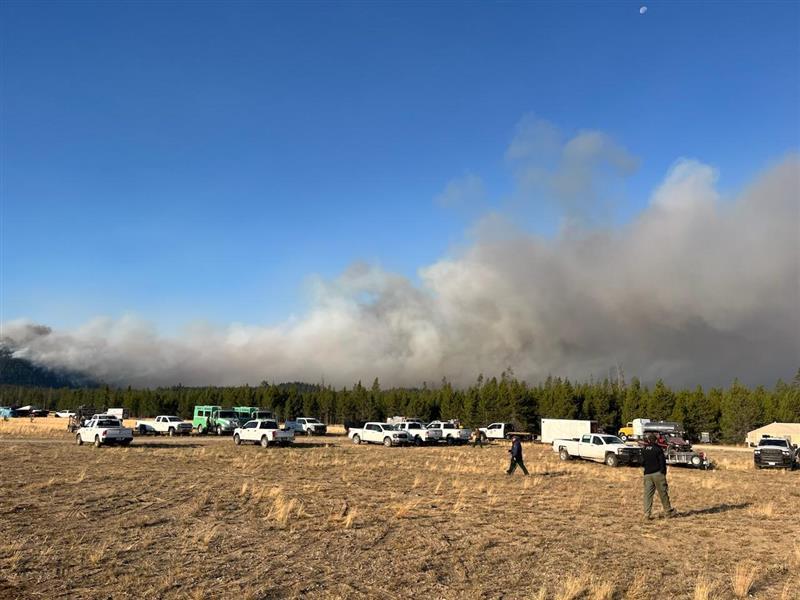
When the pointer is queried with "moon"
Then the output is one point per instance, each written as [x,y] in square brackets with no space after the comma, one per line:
[642,10]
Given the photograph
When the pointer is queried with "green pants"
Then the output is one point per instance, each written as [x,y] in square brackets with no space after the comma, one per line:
[653,482]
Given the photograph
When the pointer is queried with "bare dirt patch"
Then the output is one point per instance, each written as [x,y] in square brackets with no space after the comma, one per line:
[200,517]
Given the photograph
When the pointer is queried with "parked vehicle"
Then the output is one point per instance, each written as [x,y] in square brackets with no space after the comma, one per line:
[419,434]
[307,425]
[671,439]
[263,431]
[120,413]
[598,447]
[553,429]
[64,414]
[679,452]
[104,430]
[503,431]
[451,432]
[165,425]
[639,428]
[379,433]
[775,452]
[214,419]
[247,413]
[397,420]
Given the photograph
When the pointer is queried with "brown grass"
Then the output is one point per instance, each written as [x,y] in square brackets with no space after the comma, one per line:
[743,577]
[200,517]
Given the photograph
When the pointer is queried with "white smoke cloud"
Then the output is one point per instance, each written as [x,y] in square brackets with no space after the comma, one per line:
[697,289]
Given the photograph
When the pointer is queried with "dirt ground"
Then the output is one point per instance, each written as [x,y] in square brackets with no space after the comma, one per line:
[199,517]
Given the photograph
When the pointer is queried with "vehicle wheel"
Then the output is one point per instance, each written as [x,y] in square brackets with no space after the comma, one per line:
[563,454]
[623,437]
[200,430]
[483,437]
[356,439]
[78,440]
[450,440]
[142,430]
[237,440]
[612,460]
[219,429]
[417,441]
[97,442]
[387,441]
[696,461]
[264,441]
[171,432]
[309,432]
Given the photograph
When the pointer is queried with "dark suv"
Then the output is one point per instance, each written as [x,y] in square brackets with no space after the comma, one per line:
[775,452]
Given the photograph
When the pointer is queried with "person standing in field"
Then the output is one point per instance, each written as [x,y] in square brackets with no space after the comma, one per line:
[655,477]
[478,438]
[516,456]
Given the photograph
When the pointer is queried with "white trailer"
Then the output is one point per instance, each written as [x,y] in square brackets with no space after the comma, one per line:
[566,429]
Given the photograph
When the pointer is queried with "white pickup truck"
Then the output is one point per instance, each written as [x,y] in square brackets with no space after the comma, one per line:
[379,433]
[307,425]
[419,434]
[496,431]
[600,447]
[263,431]
[451,432]
[104,430]
[164,425]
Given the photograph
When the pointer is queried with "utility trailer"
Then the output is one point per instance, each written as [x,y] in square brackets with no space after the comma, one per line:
[555,429]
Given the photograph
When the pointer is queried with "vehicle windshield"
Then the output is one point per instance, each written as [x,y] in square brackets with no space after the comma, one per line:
[226,414]
[782,443]
[269,425]
[414,426]
[611,439]
[173,419]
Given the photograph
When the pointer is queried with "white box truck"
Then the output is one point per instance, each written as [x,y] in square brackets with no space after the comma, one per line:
[566,429]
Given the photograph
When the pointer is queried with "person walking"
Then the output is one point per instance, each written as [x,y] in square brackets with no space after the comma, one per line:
[655,477]
[516,457]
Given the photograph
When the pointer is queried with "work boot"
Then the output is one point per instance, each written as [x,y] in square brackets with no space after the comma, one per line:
[670,513]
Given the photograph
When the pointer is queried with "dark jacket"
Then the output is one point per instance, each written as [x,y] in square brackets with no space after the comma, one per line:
[653,460]
[516,450]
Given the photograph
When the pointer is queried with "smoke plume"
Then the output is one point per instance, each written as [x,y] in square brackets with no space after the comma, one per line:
[696,289]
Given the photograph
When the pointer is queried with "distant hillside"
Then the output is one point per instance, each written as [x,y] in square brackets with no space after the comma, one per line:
[20,371]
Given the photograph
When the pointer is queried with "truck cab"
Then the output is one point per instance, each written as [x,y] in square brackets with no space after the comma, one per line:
[496,431]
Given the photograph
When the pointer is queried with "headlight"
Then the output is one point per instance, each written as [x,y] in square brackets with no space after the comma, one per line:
[757,452]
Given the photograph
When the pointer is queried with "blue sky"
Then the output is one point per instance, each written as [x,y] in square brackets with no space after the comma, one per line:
[203,160]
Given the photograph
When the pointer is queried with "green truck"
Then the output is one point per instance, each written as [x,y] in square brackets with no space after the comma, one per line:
[215,419]
[246,413]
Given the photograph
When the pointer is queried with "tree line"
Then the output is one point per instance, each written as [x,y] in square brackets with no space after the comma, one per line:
[726,413]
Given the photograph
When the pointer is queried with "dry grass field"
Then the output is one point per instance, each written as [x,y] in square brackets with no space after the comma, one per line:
[201,518]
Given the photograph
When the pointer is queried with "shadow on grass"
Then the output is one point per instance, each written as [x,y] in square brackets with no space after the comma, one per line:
[712,510]
[175,446]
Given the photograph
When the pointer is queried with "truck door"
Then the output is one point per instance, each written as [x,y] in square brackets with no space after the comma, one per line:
[598,450]
[585,447]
